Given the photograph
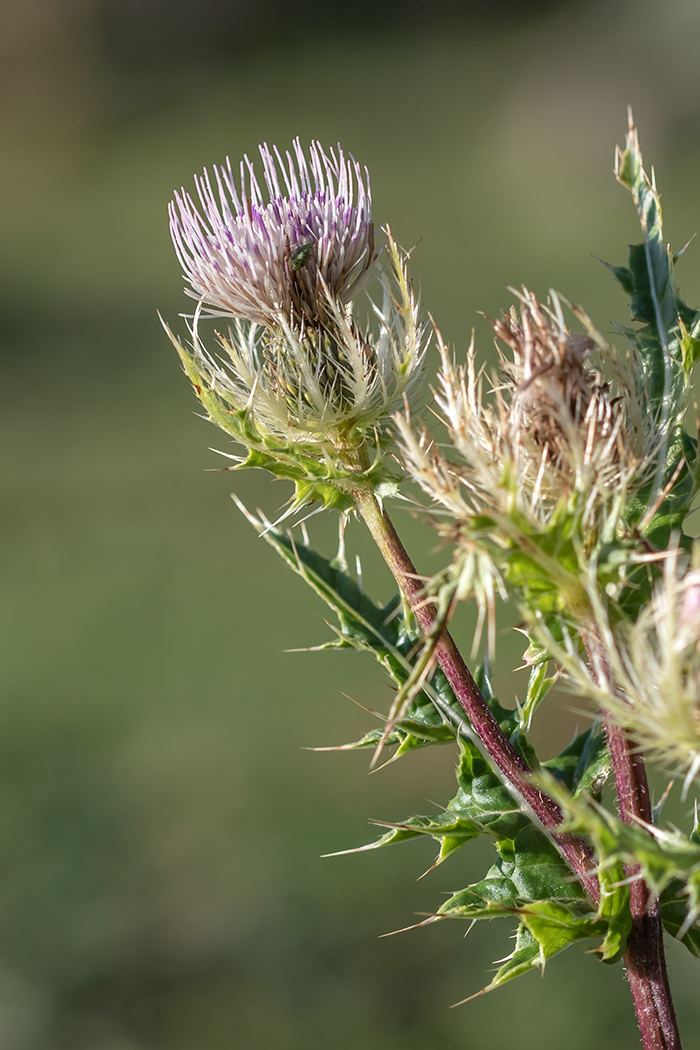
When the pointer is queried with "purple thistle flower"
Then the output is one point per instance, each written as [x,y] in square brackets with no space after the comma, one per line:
[310,244]
[314,384]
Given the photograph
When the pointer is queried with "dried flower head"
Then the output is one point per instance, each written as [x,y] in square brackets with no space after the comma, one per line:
[553,432]
[285,254]
[540,465]
[563,427]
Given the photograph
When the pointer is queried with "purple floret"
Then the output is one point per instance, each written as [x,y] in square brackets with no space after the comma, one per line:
[236,246]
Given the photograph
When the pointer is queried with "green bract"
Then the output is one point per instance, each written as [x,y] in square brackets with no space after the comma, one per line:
[311,398]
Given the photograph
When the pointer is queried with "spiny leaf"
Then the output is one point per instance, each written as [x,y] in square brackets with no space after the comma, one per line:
[481,797]
[690,345]
[451,832]
[677,917]
[408,734]
[387,632]
[667,349]
[649,276]
[537,688]
[594,765]
[483,806]
[669,861]
[530,870]
[532,883]
[526,956]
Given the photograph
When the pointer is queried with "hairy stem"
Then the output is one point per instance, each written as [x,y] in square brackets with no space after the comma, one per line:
[509,762]
[644,960]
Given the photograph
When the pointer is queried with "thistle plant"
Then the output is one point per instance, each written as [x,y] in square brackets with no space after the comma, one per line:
[559,483]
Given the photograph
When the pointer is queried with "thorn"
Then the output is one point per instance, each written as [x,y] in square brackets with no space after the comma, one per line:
[363,707]
[331,747]
[476,995]
[690,776]
[358,571]
[685,246]
[415,926]
[432,867]
[347,852]
[377,769]
[662,801]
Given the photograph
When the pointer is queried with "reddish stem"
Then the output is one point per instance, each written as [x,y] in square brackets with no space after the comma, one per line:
[644,960]
[509,762]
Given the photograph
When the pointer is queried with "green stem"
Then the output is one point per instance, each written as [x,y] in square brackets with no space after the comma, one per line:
[509,762]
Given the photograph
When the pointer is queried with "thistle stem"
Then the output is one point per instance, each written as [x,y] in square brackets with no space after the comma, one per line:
[509,762]
[645,959]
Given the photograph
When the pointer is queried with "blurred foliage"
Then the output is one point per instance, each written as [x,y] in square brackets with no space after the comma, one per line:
[159,825]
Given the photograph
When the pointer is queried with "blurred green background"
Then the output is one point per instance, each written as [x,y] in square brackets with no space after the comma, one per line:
[160,824]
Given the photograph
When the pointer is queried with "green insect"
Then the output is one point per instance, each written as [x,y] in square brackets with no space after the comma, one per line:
[300,256]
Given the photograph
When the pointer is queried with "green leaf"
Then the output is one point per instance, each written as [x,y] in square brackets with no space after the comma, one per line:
[537,688]
[690,345]
[449,831]
[528,870]
[526,956]
[407,735]
[555,926]
[654,297]
[614,910]
[482,798]
[668,346]
[583,766]
[530,882]
[481,806]
[669,863]
[387,632]
[594,766]
[623,275]
[677,917]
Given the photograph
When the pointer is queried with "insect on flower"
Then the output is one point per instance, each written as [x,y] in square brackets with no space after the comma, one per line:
[300,256]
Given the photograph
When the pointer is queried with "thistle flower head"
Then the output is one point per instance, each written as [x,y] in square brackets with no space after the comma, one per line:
[316,384]
[553,431]
[286,252]
[660,670]
[284,265]
[541,461]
